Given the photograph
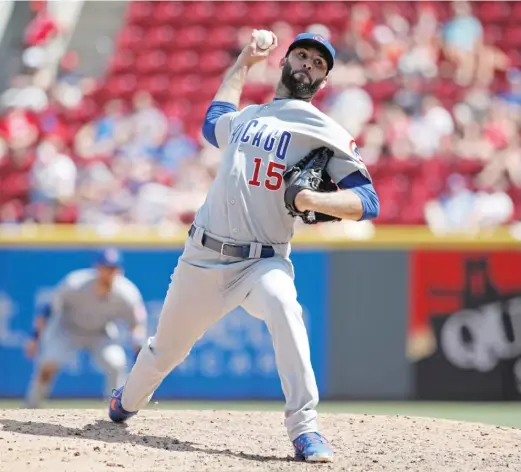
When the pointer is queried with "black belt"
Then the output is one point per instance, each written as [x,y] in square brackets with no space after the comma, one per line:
[233,250]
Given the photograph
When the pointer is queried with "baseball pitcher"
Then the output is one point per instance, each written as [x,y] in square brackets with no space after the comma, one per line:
[82,315]
[280,161]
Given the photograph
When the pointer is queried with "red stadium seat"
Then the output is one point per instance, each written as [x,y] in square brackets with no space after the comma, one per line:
[161,37]
[140,12]
[178,109]
[299,13]
[223,37]
[198,112]
[191,37]
[512,37]
[184,86]
[170,13]
[85,111]
[14,209]
[122,86]
[181,62]
[515,58]
[122,62]
[151,62]
[201,13]
[211,85]
[131,37]
[157,85]
[332,14]
[214,62]
[232,13]
[515,13]
[442,11]
[380,91]
[256,92]
[493,12]
[265,13]
[492,33]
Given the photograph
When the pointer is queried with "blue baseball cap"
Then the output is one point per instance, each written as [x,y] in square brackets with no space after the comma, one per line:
[109,257]
[317,41]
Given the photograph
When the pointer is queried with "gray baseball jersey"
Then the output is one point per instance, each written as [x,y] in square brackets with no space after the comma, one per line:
[81,311]
[246,199]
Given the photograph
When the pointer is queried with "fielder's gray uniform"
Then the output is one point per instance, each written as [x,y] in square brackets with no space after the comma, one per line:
[245,206]
[82,319]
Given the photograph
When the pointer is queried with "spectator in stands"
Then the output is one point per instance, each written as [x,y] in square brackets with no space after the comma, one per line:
[395,125]
[41,36]
[101,137]
[11,212]
[149,127]
[421,55]
[43,28]
[28,92]
[353,97]
[53,179]
[513,94]
[19,128]
[452,211]
[430,127]
[177,148]
[15,165]
[493,207]
[409,97]
[463,41]
[373,140]
[152,170]
[504,167]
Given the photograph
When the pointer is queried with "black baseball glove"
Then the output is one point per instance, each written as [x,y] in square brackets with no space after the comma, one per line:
[309,173]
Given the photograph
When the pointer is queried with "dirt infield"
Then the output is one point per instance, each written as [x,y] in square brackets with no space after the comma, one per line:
[176,441]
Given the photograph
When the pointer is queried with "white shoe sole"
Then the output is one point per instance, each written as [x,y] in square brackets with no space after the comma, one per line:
[320,458]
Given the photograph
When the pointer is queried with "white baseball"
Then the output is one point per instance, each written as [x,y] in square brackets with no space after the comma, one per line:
[264,39]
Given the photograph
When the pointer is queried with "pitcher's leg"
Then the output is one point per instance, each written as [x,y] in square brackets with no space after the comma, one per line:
[274,299]
[193,303]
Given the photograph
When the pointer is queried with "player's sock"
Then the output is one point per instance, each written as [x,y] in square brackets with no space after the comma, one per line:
[38,391]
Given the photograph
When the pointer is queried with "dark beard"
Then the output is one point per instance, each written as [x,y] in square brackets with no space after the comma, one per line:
[297,89]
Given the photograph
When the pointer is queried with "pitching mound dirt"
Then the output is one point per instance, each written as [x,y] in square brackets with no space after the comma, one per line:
[176,441]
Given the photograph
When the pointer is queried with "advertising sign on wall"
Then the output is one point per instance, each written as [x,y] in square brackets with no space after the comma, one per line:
[234,359]
[465,325]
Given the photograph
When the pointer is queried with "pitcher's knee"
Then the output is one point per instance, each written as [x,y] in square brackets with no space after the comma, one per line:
[163,360]
[285,309]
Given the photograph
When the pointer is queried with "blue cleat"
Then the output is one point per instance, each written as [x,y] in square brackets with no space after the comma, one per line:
[116,412]
[312,447]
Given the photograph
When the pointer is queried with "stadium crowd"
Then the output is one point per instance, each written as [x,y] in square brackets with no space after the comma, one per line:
[433,100]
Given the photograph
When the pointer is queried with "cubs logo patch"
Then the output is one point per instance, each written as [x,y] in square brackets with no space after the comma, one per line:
[319,38]
[354,150]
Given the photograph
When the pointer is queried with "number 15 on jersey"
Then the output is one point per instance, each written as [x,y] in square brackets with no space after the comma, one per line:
[273,178]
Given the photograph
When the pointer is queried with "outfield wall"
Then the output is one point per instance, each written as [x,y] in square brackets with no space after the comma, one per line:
[403,316]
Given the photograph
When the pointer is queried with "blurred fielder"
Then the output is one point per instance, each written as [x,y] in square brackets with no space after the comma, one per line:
[82,315]
[237,253]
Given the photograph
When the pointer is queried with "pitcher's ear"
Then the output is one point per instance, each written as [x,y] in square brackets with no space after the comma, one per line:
[282,62]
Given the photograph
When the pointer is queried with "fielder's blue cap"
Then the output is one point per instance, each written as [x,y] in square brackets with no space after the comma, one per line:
[317,41]
[110,257]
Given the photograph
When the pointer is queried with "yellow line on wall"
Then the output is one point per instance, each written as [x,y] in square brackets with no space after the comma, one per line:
[384,237]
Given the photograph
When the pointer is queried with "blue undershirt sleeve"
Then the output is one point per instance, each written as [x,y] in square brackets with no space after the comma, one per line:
[214,112]
[362,186]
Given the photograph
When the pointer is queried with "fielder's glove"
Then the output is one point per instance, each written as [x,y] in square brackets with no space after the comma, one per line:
[309,174]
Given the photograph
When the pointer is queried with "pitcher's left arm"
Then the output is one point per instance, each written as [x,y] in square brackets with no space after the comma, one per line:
[356,200]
